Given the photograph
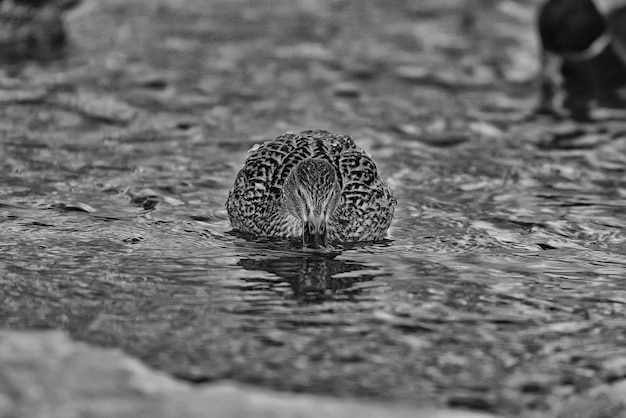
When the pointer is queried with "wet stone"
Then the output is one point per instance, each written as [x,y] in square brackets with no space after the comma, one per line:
[96,106]
[614,368]
[45,374]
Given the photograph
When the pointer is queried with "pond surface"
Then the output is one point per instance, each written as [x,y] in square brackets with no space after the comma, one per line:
[500,288]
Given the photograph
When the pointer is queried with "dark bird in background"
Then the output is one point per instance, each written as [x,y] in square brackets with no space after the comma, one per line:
[33,29]
[583,56]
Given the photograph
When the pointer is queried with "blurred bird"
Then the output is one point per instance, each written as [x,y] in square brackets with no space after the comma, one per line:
[583,56]
[32,29]
[313,185]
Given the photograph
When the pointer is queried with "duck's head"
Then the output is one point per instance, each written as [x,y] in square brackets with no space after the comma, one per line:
[311,194]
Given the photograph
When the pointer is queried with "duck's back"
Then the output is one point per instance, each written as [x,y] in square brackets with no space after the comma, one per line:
[255,203]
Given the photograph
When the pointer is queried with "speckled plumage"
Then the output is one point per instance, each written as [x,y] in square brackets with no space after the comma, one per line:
[256,206]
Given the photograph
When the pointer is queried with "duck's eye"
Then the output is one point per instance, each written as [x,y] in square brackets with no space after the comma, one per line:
[311,228]
[322,228]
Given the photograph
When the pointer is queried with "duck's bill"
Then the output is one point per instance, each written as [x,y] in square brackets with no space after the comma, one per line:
[314,239]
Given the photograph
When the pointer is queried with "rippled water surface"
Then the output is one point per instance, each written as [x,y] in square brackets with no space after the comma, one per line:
[501,286]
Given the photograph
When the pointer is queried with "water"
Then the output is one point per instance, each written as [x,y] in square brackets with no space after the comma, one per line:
[500,288]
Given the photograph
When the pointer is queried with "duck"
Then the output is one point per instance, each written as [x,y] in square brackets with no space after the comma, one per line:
[583,57]
[33,29]
[312,185]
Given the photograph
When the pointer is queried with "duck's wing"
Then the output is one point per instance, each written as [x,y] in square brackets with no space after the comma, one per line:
[367,205]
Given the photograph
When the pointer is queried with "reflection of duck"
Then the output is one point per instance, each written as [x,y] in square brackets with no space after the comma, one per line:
[32,29]
[312,277]
[314,185]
